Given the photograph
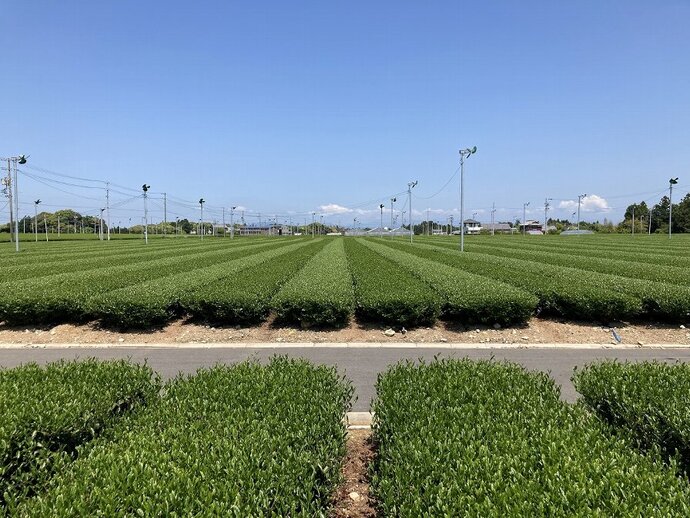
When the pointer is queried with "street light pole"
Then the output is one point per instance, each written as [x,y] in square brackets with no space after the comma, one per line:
[546,209]
[464,153]
[146,188]
[579,202]
[410,186]
[393,200]
[381,224]
[524,217]
[232,224]
[203,229]
[100,226]
[671,183]
[36,218]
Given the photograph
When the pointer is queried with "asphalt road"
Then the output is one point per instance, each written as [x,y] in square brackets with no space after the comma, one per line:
[361,365]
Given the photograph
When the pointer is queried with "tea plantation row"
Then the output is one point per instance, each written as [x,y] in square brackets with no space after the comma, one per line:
[322,282]
[455,438]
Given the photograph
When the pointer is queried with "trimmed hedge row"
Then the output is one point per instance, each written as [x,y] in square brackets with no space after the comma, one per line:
[157,301]
[246,440]
[467,298]
[244,297]
[658,300]
[70,297]
[647,401]
[490,439]
[386,293]
[49,413]
[321,294]
[561,291]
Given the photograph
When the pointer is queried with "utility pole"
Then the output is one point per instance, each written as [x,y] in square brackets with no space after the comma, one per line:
[100,225]
[451,224]
[107,206]
[633,220]
[381,224]
[411,186]
[313,223]
[393,200]
[14,196]
[671,183]
[232,224]
[427,222]
[463,154]
[493,218]
[165,213]
[58,218]
[650,222]
[524,217]
[201,204]
[7,182]
[146,188]
[45,225]
[224,227]
[36,218]
[546,209]
[579,202]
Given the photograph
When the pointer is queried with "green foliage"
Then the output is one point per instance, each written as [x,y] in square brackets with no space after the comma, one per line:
[246,440]
[647,401]
[244,297]
[321,294]
[157,301]
[49,413]
[561,291]
[468,298]
[386,293]
[479,438]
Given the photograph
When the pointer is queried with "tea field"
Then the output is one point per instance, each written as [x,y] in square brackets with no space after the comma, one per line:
[454,437]
[327,281]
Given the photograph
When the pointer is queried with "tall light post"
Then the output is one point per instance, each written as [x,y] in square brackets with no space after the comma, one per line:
[393,200]
[493,218]
[381,224]
[203,229]
[322,230]
[411,186]
[177,222]
[313,224]
[464,153]
[232,224]
[36,218]
[524,218]
[13,192]
[145,188]
[579,203]
[100,225]
[547,205]
[671,183]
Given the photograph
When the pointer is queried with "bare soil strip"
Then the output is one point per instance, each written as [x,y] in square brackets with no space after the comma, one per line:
[351,498]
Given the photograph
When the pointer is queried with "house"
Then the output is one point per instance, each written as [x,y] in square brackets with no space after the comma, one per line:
[531,226]
[472,226]
[499,228]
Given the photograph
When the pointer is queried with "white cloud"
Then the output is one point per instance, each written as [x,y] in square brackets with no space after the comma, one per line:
[591,203]
[333,208]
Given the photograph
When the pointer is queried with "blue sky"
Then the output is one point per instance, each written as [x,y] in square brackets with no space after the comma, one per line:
[291,107]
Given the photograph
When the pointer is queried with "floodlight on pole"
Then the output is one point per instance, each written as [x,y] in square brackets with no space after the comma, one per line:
[579,203]
[146,188]
[411,186]
[100,225]
[393,200]
[36,218]
[524,217]
[203,229]
[381,206]
[232,223]
[547,205]
[671,183]
[464,153]
[313,224]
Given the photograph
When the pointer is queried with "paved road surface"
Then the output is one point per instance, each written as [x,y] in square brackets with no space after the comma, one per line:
[361,365]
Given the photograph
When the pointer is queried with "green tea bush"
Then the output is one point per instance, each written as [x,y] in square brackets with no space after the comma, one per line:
[647,401]
[321,293]
[561,291]
[386,293]
[156,302]
[48,413]
[244,297]
[479,438]
[246,440]
[467,298]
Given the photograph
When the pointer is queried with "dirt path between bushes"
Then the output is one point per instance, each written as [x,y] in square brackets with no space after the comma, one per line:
[352,496]
[536,331]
